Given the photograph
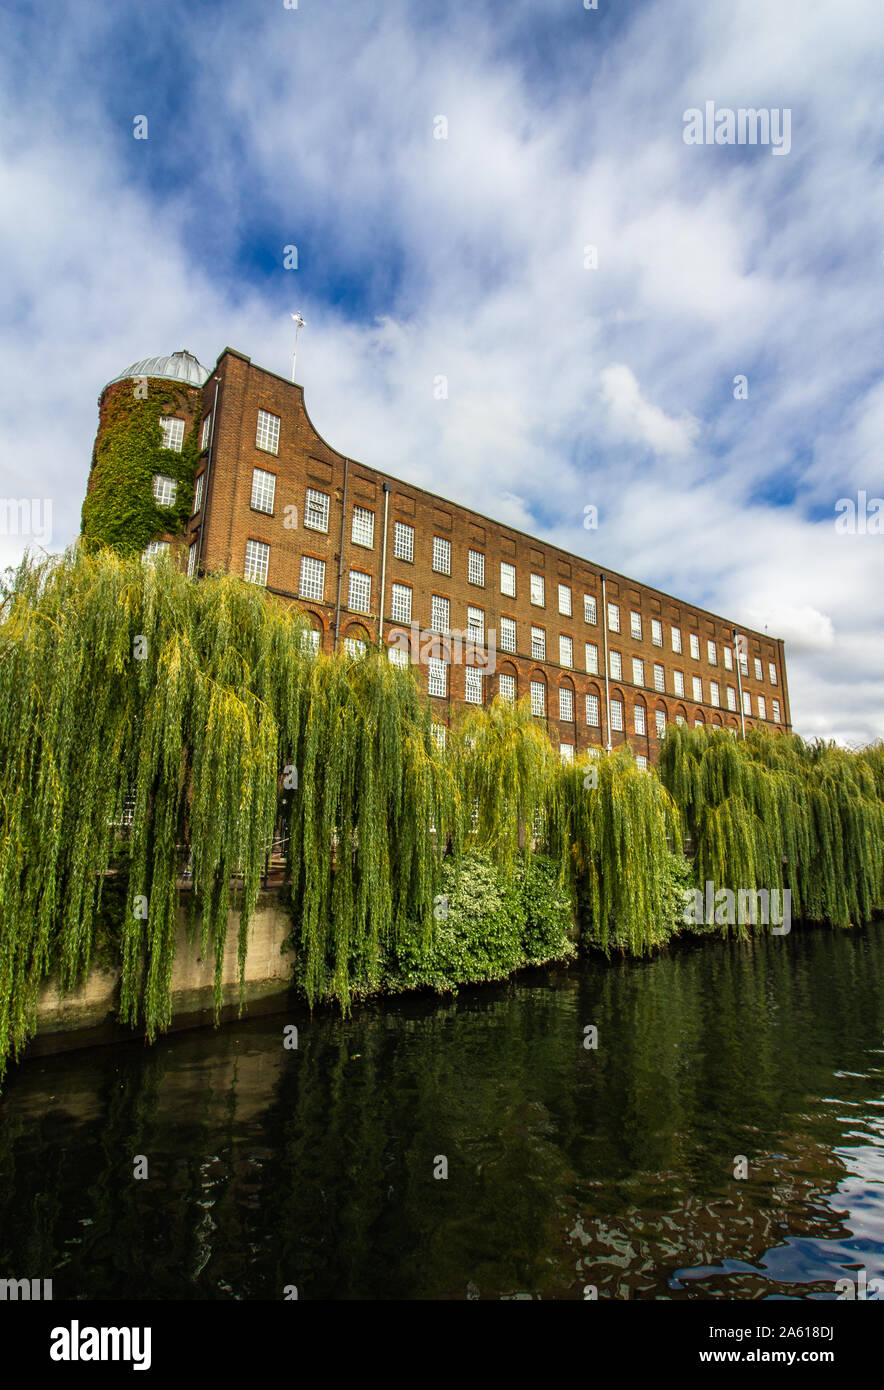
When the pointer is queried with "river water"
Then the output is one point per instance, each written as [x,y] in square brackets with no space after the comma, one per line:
[272,1168]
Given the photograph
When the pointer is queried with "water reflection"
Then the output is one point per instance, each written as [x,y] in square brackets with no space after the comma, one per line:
[567,1167]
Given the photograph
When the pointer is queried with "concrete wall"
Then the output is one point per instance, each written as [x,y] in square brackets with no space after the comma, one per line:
[86,1016]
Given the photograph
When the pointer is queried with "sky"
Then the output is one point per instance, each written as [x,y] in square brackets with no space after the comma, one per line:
[687,337]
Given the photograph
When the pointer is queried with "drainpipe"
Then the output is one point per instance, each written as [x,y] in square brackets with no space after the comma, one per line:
[341,554]
[205,506]
[739,682]
[387,490]
[605,645]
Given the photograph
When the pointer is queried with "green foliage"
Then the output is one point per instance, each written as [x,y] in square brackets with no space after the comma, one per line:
[120,509]
[200,699]
[490,923]
[774,812]
[613,825]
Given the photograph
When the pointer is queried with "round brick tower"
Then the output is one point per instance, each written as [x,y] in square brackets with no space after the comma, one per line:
[140,489]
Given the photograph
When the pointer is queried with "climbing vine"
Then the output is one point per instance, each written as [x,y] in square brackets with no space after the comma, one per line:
[120,509]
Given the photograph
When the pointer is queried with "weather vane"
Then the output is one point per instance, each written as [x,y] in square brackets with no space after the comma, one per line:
[299,324]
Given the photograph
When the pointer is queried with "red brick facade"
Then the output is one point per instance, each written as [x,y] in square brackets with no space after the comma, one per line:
[235,394]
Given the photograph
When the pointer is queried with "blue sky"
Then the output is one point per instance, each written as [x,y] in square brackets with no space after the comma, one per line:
[464,257]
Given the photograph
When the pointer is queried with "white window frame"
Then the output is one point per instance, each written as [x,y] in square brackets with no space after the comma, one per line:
[311,584]
[267,432]
[438,606]
[263,491]
[538,590]
[165,490]
[565,601]
[538,644]
[317,505]
[362,527]
[172,427]
[257,562]
[472,685]
[638,719]
[507,634]
[656,632]
[441,555]
[635,624]
[566,704]
[590,609]
[401,597]
[566,651]
[617,716]
[592,658]
[476,568]
[638,671]
[613,617]
[538,699]
[592,708]
[507,579]
[506,685]
[403,541]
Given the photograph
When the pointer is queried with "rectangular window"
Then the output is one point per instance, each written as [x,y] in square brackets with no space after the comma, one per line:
[617,714]
[676,639]
[538,644]
[616,663]
[507,687]
[472,685]
[403,541]
[776,711]
[165,490]
[437,676]
[355,647]
[440,614]
[440,735]
[638,713]
[267,436]
[198,493]
[566,651]
[565,600]
[263,490]
[359,592]
[310,641]
[744,664]
[566,752]
[476,624]
[759,675]
[660,722]
[566,705]
[441,555]
[712,653]
[641,762]
[747,702]
[592,711]
[656,632]
[679,719]
[772,672]
[678,682]
[762,707]
[538,697]
[592,658]
[613,617]
[714,697]
[728,658]
[476,568]
[400,606]
[507,635]
[207,430]
[257,560]
[590,610]
[635,625]
[695,646]
[537,590]
[316,510]
[398,656]
[362,530]
[173,432]
[312,583]
[697,687]
[731,698]
[638,671]
[507,579]
[659,677]
[191,561]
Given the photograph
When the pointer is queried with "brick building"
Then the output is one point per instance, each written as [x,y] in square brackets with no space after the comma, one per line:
[372,559]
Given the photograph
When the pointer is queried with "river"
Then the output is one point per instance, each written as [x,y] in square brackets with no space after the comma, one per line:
[569,1169]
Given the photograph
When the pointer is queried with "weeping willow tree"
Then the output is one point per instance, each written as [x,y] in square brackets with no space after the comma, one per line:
[377,804]
[617,827]
[120,680]
[506,768]
[773,812]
